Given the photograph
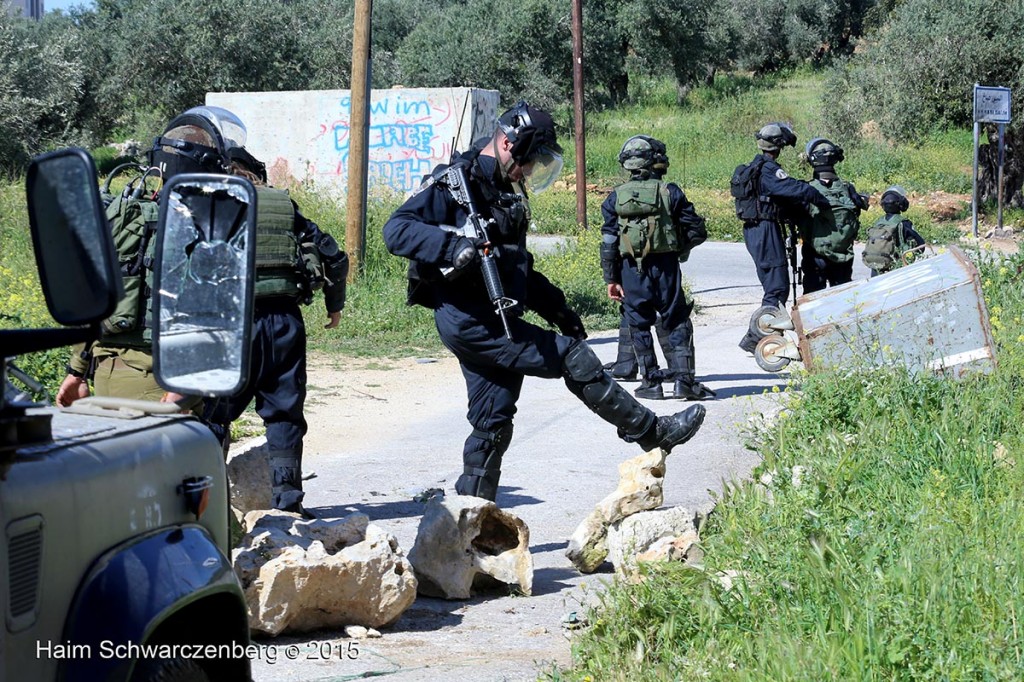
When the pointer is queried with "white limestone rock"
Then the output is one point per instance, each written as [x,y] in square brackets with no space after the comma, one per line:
[466,544]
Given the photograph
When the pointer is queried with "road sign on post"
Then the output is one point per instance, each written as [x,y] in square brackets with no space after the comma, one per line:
[991,105]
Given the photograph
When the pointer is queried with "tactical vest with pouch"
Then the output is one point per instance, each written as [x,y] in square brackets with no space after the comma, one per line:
[884,243]
[133,222]
[645,221]
[832,232]
[280,262]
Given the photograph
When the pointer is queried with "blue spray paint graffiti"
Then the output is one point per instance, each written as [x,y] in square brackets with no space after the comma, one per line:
[403,144]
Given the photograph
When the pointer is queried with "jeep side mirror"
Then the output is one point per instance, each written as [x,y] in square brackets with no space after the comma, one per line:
[73,247]
[204,284]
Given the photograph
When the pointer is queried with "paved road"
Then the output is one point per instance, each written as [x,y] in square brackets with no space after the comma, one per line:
[562,461]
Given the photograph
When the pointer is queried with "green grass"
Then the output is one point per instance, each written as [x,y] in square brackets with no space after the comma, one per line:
[896,557]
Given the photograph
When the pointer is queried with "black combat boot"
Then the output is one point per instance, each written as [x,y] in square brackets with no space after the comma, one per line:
[481,461]
[686,387]
[286,481]
[647,365]
[650,386]
[624,368]
[673,430]
[635,423]
[749,342]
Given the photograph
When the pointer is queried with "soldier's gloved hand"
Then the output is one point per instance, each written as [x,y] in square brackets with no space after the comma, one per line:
[71,389]
[465,251]
[570,324]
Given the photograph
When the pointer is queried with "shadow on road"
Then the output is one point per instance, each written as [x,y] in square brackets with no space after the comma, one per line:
[427,614]
[737,391]
[377,511]
[737,377]
[735,286]
[508,499]
[549,547]
[552,580]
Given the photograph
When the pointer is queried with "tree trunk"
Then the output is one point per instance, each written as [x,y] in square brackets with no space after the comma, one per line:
[1013,167]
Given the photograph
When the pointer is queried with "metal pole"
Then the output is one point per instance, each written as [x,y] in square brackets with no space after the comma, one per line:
[577,86]
[999,179]
[974,200]
[359,123]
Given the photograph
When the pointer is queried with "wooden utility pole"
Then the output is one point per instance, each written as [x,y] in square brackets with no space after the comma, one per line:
[359,123]
[577,86]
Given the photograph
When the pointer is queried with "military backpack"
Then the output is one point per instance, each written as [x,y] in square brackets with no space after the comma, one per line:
[832,232]
[645,220]
[884,243]
[132,219]
[287,263]
[745,188]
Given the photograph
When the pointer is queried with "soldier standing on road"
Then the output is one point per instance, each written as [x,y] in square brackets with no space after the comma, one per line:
[827,252]
[649,229]
[769,193]
[294,258]
[446,275]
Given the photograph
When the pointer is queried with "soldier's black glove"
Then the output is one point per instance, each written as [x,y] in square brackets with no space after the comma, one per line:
[570,324]
[465,251]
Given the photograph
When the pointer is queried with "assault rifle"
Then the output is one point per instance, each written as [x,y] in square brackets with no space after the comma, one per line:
[792,237]
[476,228]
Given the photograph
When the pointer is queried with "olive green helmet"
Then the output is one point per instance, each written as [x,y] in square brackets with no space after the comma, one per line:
[642,152]
[774,136]
[894,200]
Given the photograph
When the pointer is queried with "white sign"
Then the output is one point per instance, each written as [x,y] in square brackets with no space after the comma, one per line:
[991,104]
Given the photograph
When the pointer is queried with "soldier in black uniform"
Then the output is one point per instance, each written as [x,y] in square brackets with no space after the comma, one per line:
[293,259]
[446,275]
[649,228]
[775,194]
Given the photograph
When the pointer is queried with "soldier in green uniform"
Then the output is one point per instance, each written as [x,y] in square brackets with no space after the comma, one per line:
[828,235]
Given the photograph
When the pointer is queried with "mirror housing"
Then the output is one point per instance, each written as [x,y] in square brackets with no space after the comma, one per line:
[204,284]
[73,246]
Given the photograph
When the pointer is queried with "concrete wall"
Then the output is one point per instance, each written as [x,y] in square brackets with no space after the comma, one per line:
[304,136]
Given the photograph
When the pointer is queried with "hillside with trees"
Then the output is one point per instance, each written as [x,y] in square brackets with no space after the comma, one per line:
[896,68]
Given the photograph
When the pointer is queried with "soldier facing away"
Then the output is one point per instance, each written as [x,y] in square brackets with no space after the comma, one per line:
[828,236]
[649,228]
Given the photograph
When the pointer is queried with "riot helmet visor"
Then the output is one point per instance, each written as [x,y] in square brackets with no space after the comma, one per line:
[542,169]
[231,128]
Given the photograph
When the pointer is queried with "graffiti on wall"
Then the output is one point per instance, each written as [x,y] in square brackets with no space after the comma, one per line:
[410,133]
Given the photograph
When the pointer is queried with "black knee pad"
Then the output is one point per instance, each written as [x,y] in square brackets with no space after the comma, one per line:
[581,363]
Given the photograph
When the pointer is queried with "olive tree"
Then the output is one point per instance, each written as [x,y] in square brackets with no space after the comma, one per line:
[40,85]
[916,75]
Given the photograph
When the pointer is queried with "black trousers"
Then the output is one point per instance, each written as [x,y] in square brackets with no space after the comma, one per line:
[277,377]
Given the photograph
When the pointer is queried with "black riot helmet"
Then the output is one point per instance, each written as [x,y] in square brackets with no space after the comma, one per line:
[823,152]
[535,146]
[199,140]
[642,152]
[894,200]
[774,136]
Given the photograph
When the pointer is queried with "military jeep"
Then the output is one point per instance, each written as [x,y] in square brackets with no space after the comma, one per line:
[114,559]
